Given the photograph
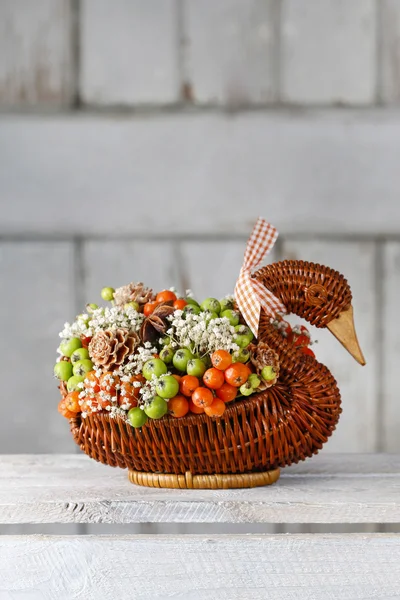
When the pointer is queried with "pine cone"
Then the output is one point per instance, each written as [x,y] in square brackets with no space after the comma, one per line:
[263,356]
[133,292]
[109,348]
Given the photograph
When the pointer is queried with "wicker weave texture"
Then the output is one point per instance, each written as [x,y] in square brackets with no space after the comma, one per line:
[204,482]
[282,425]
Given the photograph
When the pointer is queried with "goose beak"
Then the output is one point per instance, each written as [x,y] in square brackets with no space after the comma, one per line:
[343,329]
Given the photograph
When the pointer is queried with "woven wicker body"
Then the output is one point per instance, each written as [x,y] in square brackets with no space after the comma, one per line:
[282,425]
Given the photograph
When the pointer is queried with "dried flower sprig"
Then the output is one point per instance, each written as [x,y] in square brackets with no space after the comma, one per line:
[136,362]
[148,390]
[100,319]
[200,333]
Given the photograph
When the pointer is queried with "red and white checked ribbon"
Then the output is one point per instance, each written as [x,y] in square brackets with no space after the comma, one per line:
[250,294]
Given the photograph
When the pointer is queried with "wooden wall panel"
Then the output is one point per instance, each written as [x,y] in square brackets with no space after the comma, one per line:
[330,172]
[37,298]
[329,51]
[390,343]
[114,263]
[36,53]
[390,52]
[231,51]
[211,268]
[129,52]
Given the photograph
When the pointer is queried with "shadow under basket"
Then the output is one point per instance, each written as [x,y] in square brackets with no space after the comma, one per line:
[243,448]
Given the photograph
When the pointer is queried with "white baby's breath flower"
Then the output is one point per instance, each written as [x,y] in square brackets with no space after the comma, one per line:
[200,333]
[135,364]
[118,411]
[113,317]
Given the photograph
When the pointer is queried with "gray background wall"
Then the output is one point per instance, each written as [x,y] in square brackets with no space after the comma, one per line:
[140,140]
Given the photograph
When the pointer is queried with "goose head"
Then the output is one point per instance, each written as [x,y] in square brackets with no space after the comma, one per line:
[318,294]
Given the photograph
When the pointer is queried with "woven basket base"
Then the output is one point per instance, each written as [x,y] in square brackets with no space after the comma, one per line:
[204,482]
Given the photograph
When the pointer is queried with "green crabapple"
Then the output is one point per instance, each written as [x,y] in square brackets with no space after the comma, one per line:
[137,417]
[181,359]
[67,347]
[154,366]
[107,293]
[268,373]
[63,370]
[157,408]
[167,387]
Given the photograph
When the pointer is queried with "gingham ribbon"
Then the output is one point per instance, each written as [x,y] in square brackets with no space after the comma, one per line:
[250,294]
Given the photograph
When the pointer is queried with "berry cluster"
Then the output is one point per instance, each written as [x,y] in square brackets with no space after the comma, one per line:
[298,335]
[194,387]
[150,355]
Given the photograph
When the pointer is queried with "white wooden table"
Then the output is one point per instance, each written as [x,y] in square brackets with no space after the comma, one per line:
[330,489]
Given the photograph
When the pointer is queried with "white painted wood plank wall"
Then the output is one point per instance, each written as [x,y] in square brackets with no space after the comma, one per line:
[343,69]
[129,52]
[229,53]
[210,268]
[38,294]
[36,53]
[117,263]
[326,173]
[389,400]
[390,52]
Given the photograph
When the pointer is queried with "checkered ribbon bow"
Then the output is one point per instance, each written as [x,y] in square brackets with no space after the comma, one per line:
[250,294]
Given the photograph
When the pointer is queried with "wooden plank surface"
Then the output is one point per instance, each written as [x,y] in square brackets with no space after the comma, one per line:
[251,567]
[36,66]
[358,427]
[340,488]
[196,174]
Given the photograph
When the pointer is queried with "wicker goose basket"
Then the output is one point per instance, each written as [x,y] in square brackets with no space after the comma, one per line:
[256,435]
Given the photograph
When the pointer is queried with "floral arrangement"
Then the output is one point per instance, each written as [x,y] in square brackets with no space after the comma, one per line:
[151,354]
